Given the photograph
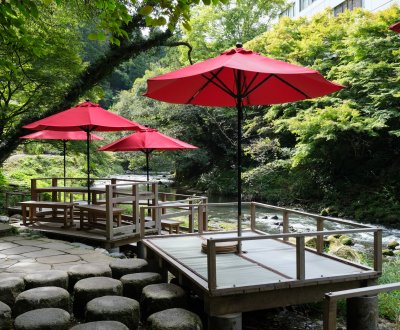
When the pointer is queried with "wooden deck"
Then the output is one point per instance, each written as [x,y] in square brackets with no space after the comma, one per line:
[265,275]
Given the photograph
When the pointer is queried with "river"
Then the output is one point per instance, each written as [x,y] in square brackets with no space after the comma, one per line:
[268,220]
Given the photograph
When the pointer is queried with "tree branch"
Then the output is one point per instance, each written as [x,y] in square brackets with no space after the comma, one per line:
[182,43]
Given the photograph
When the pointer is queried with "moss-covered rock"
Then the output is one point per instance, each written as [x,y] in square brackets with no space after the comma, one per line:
[388,252]
[311,242]
[346,240]
[345,252]
[392,244]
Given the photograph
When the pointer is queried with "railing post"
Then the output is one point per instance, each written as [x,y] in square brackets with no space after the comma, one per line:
[154,189]
[163,199]
[212,265]
[200,218]
[378,250]
[135,203]
[54,193]
[142,222]
[34,195]
[109,212]
[330,311]
[285,224]
[191,219]
[320,238]
[253,216]
[205,214]
[300,258]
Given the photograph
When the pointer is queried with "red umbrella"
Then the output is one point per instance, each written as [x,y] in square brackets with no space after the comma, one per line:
[87,117]
[236,78]
[147,141]
[395,27]
[61,135]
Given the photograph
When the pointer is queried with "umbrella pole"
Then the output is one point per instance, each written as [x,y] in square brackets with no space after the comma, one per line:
[65,168]
[88,163]
[239,106]
[147,152]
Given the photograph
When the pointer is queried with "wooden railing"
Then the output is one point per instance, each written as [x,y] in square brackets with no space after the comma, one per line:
[331,299]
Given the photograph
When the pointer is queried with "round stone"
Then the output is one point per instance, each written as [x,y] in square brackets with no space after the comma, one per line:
[42,297]
[43,319]
[174,319]
[10,288]
[158,297]
[133,284]
[114,308]
[121,267]
[57,278]
[93,287]
[101,325]
[81,271]
[5,316]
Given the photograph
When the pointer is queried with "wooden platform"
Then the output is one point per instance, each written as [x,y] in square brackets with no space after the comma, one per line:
[263,276]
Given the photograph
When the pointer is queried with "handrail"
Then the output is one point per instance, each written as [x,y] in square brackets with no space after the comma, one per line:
[331,298]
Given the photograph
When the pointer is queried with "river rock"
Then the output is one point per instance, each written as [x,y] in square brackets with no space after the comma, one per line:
[346,240]
[174,318]
[48,278]
[101,325]
[4,219]
[388,252]
[133,284]
[10,288]
[121,267]
[43,319]
[392,245]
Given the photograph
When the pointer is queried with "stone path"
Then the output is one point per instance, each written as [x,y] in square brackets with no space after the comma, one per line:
[27,253]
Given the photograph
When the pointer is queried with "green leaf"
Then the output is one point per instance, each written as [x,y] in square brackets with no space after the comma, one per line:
[146,10]
[187,26]
[207,2]
[92,36]
[101,36]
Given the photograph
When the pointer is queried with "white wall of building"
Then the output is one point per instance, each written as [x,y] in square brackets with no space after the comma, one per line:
[321,5]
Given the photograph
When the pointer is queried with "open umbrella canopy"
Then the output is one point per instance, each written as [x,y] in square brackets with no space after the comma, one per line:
[395,27]
[236,78]
[60,135]
[86,116]
[239,73]
[147,141]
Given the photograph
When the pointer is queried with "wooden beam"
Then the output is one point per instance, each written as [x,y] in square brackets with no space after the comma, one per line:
[330,314]
[252,216]
[285,223]
[300,258]
[378,250]
[320,238]
[211,265]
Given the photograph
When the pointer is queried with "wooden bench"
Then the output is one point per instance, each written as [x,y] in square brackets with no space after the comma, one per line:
[54,206]
[93,211]
[170,225]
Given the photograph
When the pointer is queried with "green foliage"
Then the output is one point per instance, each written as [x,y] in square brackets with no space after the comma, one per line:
[389,303]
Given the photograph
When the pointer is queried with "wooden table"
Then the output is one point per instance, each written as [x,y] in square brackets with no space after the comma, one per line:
[54,206]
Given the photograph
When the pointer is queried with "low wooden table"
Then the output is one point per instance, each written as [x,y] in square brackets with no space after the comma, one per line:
[54,206]
[92,211]
[170,225]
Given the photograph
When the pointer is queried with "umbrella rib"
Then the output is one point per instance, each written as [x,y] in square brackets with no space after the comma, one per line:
[292,86]
[248,92]
[251,83]
[209,80]
[223,86]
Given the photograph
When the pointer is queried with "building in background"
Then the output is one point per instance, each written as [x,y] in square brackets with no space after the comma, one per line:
[298,8]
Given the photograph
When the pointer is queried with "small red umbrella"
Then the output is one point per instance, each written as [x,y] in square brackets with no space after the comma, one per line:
[236,78]
[63,136]
[395,27]
[147,141]
[85,117]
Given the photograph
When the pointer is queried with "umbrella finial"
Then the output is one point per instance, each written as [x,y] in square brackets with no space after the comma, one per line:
[239,45]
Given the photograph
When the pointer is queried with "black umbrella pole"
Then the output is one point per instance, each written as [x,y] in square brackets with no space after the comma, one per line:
[65,169]
[239,169]
[88,163]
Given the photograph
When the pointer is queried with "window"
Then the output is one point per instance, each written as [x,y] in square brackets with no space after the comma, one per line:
[305,3]
[289,12]
[347,5]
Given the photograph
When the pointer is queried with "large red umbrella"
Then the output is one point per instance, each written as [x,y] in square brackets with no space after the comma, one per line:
[236,78]
[147,141]
[85,117]
[395,27]
[63,136]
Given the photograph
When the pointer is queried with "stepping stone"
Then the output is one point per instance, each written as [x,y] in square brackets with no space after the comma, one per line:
[10,288]
[5,316]
[43,319]
[101,325]
[133,284]
[28,267]
[79,272]
[93,287]
[42,297]
[174,319]
[121,267]
[157,297]
[49,278]
[114,308]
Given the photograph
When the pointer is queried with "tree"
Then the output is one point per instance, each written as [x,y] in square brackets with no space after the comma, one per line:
[26,38]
